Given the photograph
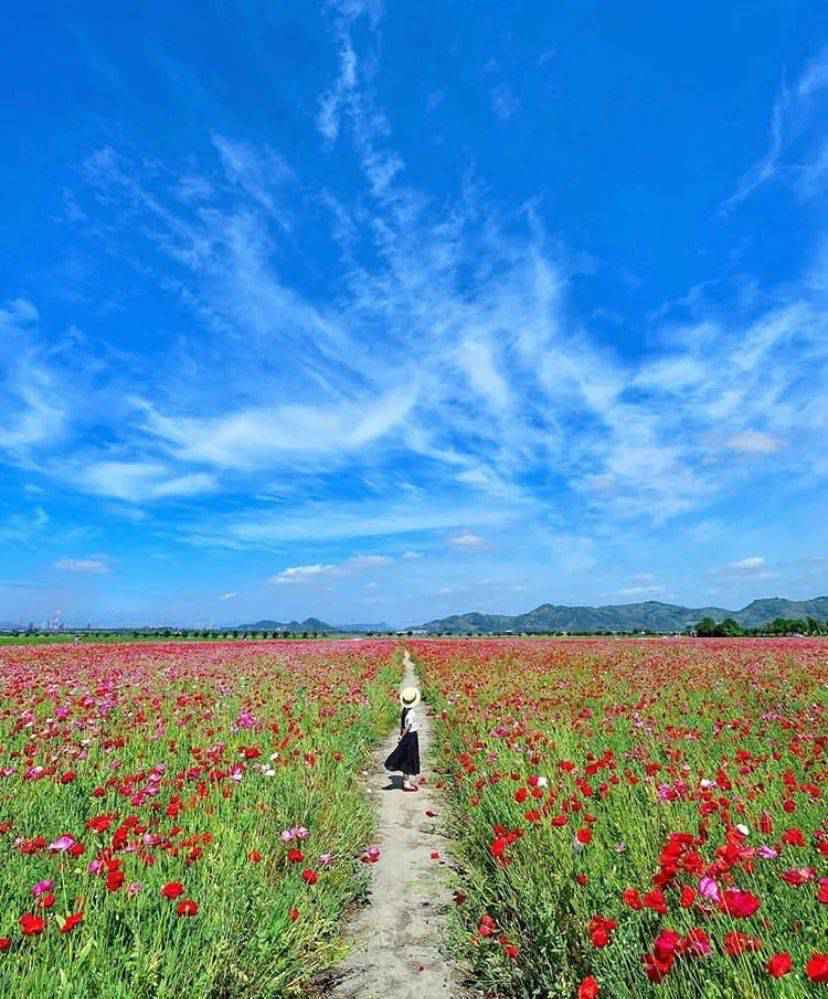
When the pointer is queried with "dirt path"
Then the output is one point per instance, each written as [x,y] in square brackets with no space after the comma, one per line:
[396,938]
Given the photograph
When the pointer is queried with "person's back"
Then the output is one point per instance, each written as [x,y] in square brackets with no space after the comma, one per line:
[406,757]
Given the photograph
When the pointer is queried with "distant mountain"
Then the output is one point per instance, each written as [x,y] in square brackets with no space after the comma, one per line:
[648,616]
[761,611]
[310,624]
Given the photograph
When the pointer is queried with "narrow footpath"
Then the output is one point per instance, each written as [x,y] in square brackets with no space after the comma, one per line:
[396,938]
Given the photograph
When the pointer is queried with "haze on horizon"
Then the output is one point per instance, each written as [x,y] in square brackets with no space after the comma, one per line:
[376,312]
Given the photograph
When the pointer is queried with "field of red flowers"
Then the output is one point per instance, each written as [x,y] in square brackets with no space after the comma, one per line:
[638,819]
[183,820]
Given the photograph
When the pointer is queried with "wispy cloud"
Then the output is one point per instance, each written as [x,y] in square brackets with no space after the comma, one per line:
[753,442]
[137,481]
[467,540]
[309,573]
[21,528]
[504,102]
[489,387]
[30,396]
[792,106]
[94,566]
[752,567]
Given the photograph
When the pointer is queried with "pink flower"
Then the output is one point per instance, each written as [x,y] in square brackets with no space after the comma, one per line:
[767,853]
[42,887]
[134,888]
[325,859]
[710,890]
[61,844]
[287,835]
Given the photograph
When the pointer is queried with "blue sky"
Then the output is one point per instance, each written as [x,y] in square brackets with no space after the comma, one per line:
[384,312]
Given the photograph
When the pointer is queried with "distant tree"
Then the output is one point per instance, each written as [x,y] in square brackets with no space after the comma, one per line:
[706,627]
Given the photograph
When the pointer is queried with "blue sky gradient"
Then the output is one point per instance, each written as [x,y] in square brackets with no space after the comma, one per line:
[384,312]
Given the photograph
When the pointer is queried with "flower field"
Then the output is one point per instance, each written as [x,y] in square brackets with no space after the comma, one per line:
[637,819]
[183,820]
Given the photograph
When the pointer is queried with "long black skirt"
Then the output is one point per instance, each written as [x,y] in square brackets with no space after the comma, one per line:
[406,757]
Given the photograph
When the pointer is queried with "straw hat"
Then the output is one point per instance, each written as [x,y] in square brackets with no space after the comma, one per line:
[409,697]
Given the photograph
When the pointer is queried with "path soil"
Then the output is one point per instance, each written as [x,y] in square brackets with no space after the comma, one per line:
[396,939]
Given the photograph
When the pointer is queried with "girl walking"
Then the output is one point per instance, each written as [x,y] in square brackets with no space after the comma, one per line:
[406,757]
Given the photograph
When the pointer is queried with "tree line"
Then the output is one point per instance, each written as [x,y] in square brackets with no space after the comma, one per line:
[729,628]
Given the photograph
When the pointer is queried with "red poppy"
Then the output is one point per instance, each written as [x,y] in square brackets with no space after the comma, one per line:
[254,856]
[293,915]
[31,925]
[656,901]
[688,896]
[114,880]
[600,930]
[71,921]
[295,856]
[739,904]
[817,968]
[584,835]
[632,898]
[589,989]
[5,943]
[187,907]
[657,968]
[737,943]
[779,965]
[309,877]
[172,890]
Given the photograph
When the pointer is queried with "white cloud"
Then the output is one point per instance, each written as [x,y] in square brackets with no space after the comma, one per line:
[307,573]
[83,565]
[228,596]
[31,397]
[330,104]
[753,442]
[752,567]
[641,591]
[138,481]
[302,573]
[815,77]
[790,109]
[467,540]
[411,555]
[339,521]
[16,315]
[750,564]
[259,173]
[257,437]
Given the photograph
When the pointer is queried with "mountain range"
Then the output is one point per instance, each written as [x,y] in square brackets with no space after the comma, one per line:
[651,615]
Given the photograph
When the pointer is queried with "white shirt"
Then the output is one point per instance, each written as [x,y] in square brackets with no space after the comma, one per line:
[410,723]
